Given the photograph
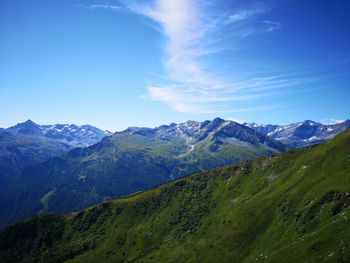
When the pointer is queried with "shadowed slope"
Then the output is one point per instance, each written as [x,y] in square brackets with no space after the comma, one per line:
[293,207]
[133,160]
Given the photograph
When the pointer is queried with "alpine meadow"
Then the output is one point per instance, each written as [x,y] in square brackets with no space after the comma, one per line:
[188,131]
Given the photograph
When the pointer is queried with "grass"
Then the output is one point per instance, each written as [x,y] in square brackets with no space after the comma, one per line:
[117,166]
[292,207]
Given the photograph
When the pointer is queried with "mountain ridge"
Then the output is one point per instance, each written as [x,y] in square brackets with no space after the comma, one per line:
[293,206]
[70,134]
[28,143]
[129,161]
[301,134]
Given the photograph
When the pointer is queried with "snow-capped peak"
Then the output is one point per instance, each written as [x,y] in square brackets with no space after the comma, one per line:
[303,133]
[71,134]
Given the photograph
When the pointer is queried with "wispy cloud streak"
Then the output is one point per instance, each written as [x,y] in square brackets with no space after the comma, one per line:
[272,26]
[187,30]
[106,7]
[191,31]
[331,121]
[245,14]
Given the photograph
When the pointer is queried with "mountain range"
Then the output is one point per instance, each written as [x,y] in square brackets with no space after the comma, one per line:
[56,176]
[69,134]
[292,207]
[28,143]
[301,134]
[132,160]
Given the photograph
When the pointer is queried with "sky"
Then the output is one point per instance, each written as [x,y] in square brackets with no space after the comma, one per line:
[121,63]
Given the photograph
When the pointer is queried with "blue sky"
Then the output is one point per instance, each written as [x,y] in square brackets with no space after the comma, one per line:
[116,64]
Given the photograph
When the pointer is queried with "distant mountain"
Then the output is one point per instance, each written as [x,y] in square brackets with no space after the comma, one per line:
[129,161]
[293,207]
[28,143]
[301,134]
[264,129]
[19,151]
[69,134]
[213,134]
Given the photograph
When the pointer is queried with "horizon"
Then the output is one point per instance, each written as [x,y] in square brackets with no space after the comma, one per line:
[117,64]
[324,122]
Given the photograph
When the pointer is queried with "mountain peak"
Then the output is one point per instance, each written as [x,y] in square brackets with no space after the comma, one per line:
[252,125]
[29,123]
[69,134]
[218,120]
[214,124]
[310,122]
[28,127]
[303,133]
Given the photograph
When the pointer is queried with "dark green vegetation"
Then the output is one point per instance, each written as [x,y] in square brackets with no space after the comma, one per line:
[293,207]
[130,161]
[22,150]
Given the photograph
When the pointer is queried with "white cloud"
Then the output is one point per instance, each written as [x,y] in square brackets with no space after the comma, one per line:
[238,120]
[272,26]
[108,7]
[331,121]
[245,14]
[192,34]
[187,30]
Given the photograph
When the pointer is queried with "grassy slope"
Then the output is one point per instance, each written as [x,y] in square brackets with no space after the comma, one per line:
[117,166]
[293,207]
[17,152]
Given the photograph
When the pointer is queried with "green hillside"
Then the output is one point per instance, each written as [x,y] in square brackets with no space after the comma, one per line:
[19,151]
[293,207]
[130,161]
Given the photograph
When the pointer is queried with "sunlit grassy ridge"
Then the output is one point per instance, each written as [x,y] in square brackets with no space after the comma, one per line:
[293,207]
